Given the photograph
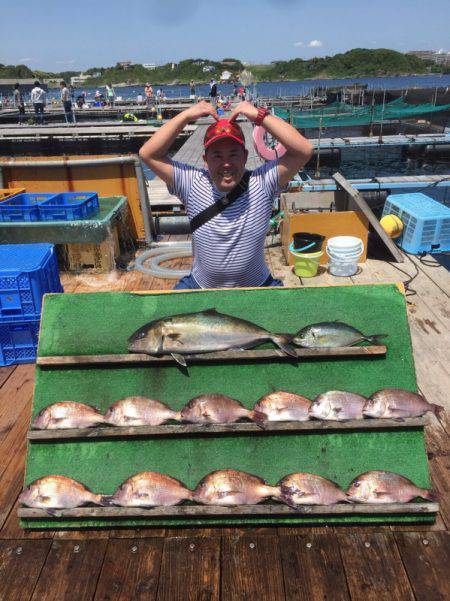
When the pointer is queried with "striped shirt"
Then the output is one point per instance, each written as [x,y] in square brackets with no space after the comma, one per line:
[228,249]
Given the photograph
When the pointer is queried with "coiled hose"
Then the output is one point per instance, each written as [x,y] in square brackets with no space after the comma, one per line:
[160,254]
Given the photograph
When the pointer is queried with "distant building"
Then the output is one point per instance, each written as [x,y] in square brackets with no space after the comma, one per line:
[125,64]
[174,65]
[208,68]
[231,62]
[149,66]
[225,76]
[437,56]
[79,79]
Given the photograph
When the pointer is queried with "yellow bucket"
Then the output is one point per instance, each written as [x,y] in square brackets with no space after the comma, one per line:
[392,225]
[307,264]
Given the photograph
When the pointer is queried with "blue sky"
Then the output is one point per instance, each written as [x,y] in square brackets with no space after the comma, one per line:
[57,35]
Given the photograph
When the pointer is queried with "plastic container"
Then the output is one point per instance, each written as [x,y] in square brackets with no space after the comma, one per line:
[344,253]
[426,222]
[308,242]
[27,272]
[306,264]
[18,342]
[22,207]
[69,206]
[6,193]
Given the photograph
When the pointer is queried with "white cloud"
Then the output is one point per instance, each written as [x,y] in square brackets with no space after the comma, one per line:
[315,44]
[298,43]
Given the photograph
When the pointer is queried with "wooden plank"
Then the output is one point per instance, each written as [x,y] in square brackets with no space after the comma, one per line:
[190,570]
[373,567]
[130,570]
[364,207]
[347,351]
[71,571]
[5,372]
[247,427]
[20,565]
[425,557]
[252,569]
[312,568]
[259,510]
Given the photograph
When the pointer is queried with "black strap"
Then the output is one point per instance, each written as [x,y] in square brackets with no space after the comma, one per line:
[221,204]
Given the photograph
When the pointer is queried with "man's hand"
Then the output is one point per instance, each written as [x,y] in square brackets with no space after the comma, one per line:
[201,109]
[245,108]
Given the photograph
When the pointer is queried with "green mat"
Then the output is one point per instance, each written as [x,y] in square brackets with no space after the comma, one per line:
[100,323]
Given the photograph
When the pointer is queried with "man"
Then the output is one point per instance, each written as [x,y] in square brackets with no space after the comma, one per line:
[148,91]
[110,95]
[38,100]
[19,103]
[66,102]
[228,249]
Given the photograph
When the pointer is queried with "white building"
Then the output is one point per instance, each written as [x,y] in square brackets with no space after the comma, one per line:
[125,64]
[149,66]
[208,68]
[225,76]
[77,79]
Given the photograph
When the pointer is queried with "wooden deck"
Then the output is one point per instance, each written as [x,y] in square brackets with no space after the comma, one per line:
[376,563]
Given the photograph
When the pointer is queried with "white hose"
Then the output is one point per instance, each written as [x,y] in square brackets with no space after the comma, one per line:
[158,255]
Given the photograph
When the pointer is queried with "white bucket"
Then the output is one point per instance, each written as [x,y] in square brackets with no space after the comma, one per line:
[344,253]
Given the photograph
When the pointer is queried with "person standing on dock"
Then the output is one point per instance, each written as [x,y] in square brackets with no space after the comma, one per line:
[19,103]
[38,100]
[66,102]
[192,89]
[229,208]
[213,90]
[148,91]
[110,95]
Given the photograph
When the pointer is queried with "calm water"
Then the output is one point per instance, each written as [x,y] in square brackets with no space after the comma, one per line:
[285,88]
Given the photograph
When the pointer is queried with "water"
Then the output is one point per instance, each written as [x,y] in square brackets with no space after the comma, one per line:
[281,88]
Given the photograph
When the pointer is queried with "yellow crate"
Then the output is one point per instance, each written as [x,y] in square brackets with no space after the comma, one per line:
[6,193]
[93,258]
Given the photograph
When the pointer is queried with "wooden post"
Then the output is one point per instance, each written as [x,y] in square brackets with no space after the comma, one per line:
[364,207]
[380,136]
[317,173]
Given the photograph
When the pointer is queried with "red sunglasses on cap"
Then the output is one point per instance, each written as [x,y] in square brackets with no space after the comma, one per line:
[223,129]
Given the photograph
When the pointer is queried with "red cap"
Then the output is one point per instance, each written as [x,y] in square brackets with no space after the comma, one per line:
[223,129]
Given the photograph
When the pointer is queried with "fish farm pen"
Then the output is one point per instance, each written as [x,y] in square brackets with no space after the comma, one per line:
[267,444]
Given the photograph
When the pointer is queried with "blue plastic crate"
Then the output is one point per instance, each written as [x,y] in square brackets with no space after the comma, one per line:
[27,272]
[18,342]
[69,206]
[426,222]
[22,207]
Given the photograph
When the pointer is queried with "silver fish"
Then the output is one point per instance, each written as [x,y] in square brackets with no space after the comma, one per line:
[213,409]
[280,407]
[385,487]
[149,489]
[57,492]
[397,404]
[309,489]
[67,414]
[331,334]
[202,332]
[338,405]
[139,411]
[231,487]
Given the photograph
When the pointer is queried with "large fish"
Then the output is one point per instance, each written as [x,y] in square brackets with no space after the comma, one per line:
[385,487]
[231,487]
[57,492]
[331,334]
[309,489]
[213,409]
[397,404]
[139,411]
[338,405]
[280,407]
[203,332]
[67,414]
[149,489]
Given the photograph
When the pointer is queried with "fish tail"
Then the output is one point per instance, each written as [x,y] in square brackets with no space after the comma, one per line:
[284,342]
[258,417]
[430,495]
[106,500]
[375,338]
[437,409]
[176,415]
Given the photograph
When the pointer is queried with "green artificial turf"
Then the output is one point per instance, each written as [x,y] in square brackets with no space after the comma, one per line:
[101,323]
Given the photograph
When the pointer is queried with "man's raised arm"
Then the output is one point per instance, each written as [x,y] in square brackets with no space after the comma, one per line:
[154,152]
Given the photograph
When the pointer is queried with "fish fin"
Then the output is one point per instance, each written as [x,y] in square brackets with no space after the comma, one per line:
[51,512]
[258,417]
[179,359]
[288,501]
[381,493]
[225,493]
[106,500]
[437,409]
[375,338]
[283,341]
[431,495]
[348,499]
[338,410]
[212,311]
[173,336]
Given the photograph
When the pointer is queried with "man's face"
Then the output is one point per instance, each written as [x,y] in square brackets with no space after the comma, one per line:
[226,160]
